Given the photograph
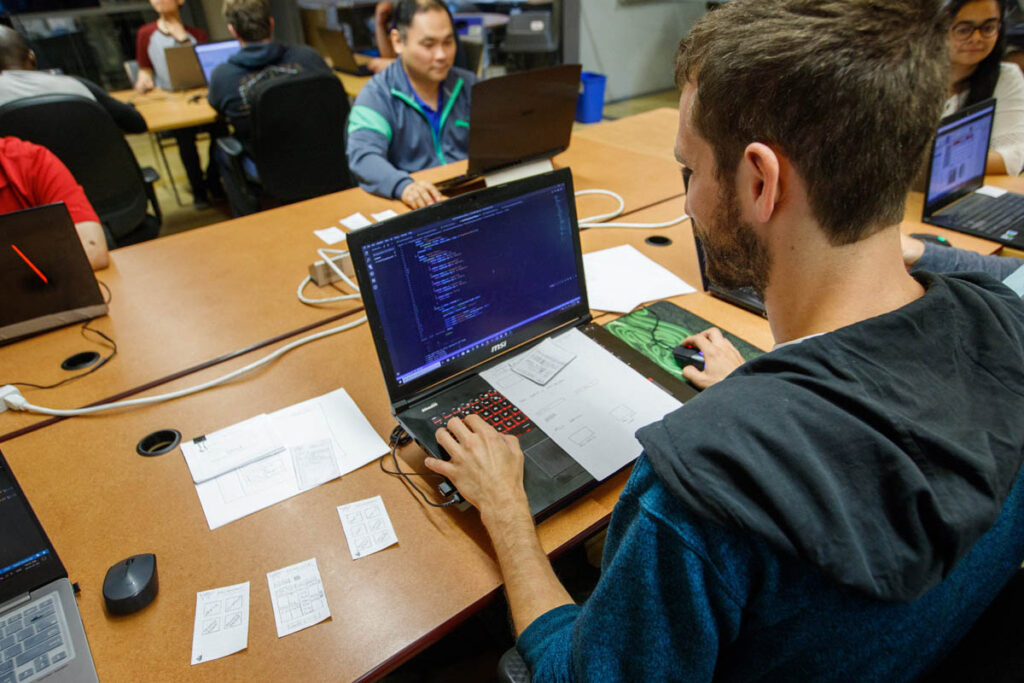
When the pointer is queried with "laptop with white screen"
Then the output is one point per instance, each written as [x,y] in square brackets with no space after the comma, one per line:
[955,195]
[41,633]
[454,290]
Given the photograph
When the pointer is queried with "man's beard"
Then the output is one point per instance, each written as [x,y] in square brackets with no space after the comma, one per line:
[733,254]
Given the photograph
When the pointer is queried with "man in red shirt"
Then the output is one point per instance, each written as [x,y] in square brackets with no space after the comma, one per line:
[31,175]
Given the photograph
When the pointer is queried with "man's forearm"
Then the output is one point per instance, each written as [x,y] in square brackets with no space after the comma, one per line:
[530,582]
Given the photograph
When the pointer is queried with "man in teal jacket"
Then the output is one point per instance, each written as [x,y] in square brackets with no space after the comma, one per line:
[414,114]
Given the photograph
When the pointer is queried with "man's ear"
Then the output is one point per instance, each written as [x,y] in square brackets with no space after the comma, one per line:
[759,180]
[271,27]
[31,61]
[232,31]
[396,41]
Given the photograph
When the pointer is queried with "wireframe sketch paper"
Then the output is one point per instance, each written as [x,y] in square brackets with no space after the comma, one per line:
[593,406]
[222,622]
[321,439]
[621,278]
[542,362]
[367,527]
[227,449]
[331,235]
[355,221]
[298,597]
[384,215]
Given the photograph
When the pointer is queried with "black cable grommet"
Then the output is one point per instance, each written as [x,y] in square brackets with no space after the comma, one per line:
[80,360]
[658,241]
[158,443]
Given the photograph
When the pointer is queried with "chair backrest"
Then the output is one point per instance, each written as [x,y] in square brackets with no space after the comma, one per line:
[298,136]
[84,136]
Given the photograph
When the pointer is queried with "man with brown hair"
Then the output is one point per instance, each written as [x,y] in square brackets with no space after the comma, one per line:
[845,506]
[261,58]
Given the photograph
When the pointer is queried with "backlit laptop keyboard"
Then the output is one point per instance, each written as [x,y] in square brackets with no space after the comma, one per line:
[495,409]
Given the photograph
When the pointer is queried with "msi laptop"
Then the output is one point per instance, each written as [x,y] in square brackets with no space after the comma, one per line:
[453,288]
[42,634]
[45,275]
[954,197]
[744,298]
[212,55]
[340,53]
[183,68]
[516,119]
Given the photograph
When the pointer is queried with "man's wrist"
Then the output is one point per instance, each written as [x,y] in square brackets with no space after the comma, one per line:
[507,517]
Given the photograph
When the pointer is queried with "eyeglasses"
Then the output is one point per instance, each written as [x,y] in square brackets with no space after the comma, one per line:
[963,30]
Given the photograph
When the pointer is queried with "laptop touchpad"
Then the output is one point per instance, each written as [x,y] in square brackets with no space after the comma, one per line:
[551,459]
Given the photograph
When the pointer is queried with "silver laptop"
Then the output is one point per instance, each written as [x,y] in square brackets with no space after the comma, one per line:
[41,633]
[340,53]
[183,68]
[45,275]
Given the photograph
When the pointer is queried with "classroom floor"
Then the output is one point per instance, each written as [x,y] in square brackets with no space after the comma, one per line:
[178,218]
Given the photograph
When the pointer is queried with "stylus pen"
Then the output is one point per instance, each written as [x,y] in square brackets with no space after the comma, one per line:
[30,264]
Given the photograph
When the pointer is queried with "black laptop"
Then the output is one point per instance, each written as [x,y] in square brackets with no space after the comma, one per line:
[41,634]
[456,287]
[744,297]
[954,195]
[45,276]
[517,119]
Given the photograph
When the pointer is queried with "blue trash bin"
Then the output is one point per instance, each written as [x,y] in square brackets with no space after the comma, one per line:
[590,103]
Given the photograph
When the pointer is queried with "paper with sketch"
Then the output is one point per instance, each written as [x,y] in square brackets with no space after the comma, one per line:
[621,278]
[222,622]
[991,191]
[592,408]
[355,221]
[297,594]
[384,215]
[542,362]
[321,439]
[331,235]
[367,527]
[227,449]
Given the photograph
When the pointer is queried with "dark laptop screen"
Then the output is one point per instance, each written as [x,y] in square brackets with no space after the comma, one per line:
[473,283]
[27,560]
[213,55]
[959,154]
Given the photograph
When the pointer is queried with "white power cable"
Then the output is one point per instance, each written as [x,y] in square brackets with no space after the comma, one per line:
[598,220]
[326,255]
[15,401]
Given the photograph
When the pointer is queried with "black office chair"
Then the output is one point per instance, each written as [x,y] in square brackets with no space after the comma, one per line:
[83,136]
[297,140]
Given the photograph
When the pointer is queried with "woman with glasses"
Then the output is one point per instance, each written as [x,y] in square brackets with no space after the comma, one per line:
[977,41]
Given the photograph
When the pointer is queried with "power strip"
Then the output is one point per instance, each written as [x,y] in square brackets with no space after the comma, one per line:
[322,274]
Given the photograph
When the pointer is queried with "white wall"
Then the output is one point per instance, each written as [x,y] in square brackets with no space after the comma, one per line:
[633,44]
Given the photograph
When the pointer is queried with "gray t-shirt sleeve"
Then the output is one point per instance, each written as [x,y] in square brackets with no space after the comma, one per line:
[939,259]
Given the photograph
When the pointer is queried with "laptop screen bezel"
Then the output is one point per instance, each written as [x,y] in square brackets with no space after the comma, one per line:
[487,124]
[41,576]
[929,208]
[400,394]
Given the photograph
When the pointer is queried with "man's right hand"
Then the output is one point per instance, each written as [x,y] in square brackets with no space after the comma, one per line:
[418,194]
[720,358]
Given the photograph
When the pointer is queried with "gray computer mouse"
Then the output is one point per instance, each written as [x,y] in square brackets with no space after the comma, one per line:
[131,584]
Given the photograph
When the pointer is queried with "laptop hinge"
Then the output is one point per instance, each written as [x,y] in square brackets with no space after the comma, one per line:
[15,602]
[399,406]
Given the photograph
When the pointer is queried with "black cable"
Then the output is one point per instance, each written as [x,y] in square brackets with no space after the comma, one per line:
[399,437]
[112,345]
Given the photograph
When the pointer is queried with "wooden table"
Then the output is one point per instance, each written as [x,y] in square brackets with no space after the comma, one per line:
[166,110]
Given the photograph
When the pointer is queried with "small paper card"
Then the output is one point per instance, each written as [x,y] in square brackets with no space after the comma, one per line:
[367,527]
[222,622]
[991,191]
[297,594]
[331,235]
[541,363]
[383,215]
[355,221]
